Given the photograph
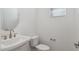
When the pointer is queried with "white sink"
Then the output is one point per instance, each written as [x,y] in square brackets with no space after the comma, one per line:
[9,44]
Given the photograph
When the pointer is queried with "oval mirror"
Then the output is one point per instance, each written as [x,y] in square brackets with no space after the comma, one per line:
[9,18]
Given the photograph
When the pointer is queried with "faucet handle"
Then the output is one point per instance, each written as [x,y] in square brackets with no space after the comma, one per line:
[5,37]
[14,34]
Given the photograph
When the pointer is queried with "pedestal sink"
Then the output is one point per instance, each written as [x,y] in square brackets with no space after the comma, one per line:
[14,44]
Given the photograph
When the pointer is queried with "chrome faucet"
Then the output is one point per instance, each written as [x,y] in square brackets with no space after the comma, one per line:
[10,35]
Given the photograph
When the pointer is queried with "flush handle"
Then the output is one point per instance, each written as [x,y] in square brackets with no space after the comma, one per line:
[76,45]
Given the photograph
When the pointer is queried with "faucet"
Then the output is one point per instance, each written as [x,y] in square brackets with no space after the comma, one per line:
[10,35]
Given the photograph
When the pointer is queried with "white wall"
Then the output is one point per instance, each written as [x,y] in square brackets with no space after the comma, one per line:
[0,18]
[62,28]
[77,25]
[27,23]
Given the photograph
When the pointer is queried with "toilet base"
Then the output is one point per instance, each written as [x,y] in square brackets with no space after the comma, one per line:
[35,49]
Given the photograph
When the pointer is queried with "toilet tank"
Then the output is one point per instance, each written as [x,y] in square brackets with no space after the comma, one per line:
[34,41]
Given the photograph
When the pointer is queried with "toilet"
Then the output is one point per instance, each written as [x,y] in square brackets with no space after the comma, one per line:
[39,47]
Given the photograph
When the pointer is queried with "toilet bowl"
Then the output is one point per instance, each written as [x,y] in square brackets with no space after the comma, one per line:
[42,47]
[39,47]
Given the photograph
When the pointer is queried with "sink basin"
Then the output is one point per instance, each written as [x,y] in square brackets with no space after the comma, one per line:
[13,43]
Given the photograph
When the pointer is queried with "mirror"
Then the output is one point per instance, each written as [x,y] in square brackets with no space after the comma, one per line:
[9,18]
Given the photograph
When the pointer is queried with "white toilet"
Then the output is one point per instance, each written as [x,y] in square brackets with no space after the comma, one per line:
[39,47]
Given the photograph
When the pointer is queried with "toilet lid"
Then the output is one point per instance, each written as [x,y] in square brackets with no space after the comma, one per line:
[42,47]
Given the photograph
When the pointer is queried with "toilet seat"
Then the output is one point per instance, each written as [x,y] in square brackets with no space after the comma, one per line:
[42,47]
